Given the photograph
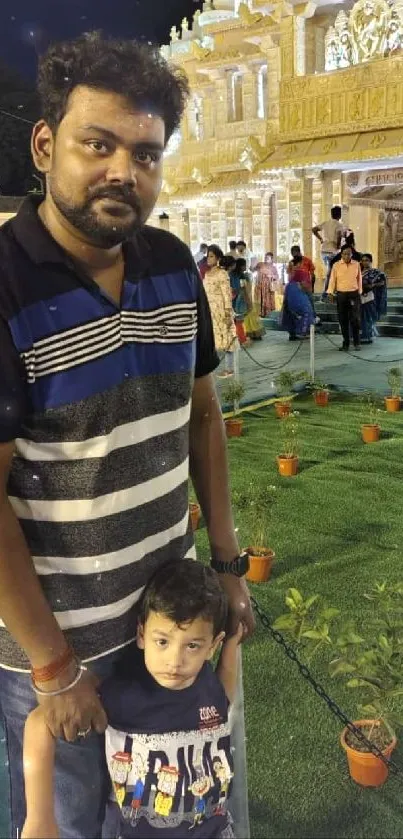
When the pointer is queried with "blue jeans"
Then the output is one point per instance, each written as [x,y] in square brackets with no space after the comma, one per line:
[327,259]
[81,777]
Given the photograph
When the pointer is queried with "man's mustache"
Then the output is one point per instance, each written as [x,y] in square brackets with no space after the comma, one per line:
[119,194]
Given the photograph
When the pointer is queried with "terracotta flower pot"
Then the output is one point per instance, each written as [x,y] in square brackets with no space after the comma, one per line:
[392,404]
[260,564]
[371,433]
[195,515]
[287,466]
[234,427]
[283,409]
[321,398]
[365,768]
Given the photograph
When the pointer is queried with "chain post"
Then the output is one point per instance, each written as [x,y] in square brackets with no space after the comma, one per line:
[320,691]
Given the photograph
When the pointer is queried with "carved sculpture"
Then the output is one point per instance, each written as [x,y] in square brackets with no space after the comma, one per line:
[174,35]
[199,52]
[373,29]
[253,154]
[247,17]
[185,25]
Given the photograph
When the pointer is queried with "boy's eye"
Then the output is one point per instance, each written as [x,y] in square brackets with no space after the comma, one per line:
[161,642]
[193,646]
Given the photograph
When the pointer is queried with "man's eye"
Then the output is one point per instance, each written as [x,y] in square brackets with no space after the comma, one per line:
[98,146]
[147,157]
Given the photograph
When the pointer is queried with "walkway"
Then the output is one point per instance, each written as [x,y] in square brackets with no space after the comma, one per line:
[353,371]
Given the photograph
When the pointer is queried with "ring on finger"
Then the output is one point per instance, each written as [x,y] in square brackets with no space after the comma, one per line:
[84,733]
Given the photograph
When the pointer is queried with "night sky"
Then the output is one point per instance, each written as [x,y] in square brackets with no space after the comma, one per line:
[27,26]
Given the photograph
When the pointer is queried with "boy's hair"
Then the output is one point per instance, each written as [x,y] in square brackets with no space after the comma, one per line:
[367,256]
[241,244]
[240,265]
[183,590]
[232,244]
[138,72]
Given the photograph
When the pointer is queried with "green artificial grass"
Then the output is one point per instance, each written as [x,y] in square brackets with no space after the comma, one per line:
[336,529]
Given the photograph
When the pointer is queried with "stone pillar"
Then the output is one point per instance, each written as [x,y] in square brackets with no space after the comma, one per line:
[292,46]
[249,93]
[282,222]
[194,233]
[295,195]
[307,222]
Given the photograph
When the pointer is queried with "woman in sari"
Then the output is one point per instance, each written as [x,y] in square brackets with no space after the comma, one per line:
[267,283]
[297,314]
[219,295]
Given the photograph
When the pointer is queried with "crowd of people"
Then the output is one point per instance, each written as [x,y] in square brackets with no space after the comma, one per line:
[242,290]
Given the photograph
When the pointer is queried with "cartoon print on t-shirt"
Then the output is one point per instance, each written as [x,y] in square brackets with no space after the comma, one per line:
[120,767]
[224,775]
[168,777]
[200,787]
[141,768]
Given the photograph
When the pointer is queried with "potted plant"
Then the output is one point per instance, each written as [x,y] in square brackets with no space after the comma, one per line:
[231,395]
[370,430]
[284,383]
[371,660]
[287,460]
[392,402]
[320,392]
[255,502]
[195,514]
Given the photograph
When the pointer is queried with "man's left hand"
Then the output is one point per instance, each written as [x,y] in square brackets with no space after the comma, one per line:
[240,607]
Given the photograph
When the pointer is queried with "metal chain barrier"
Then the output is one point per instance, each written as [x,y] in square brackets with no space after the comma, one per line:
[269,366]
[359,357]
[320,691]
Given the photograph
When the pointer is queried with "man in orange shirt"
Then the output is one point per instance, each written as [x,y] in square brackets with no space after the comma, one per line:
[346,280]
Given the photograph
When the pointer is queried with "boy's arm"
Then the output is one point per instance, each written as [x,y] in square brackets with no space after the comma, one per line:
[227,667]
[38,759]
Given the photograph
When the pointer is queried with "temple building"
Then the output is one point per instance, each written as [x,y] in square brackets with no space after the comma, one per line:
[294,108]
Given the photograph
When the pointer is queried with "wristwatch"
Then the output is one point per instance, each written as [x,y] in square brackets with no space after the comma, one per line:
[239,566]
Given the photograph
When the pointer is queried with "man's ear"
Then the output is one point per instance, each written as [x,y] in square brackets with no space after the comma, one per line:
[42,146]
[216,643]
[140,636]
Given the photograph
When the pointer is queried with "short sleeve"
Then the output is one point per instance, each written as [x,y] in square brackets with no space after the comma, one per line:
[206,356]
[13,388]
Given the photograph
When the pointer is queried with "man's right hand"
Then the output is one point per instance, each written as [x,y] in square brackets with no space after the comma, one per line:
[79,709]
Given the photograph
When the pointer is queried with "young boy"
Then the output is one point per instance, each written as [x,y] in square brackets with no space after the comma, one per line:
[168,742]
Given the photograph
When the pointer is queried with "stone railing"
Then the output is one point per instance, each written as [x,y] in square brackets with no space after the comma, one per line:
[368,97]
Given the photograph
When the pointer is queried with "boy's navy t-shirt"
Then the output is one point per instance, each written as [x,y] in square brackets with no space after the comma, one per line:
[169,754]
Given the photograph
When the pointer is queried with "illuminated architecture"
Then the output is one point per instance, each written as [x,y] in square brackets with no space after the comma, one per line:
[294,108]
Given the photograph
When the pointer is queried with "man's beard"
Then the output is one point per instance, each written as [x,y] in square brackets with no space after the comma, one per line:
[97,229]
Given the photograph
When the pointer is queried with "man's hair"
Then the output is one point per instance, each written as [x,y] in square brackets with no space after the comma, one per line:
[335,213]
[216,251]
[241,244]
[367,256]
[296,248]
[232,245]
[183,590]
[345,247]
[240,265]
[270,253]
[138,72]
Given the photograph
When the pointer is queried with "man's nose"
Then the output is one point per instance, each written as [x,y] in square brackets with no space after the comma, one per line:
[122,169]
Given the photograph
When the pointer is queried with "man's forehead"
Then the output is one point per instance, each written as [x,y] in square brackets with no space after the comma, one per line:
[106,109]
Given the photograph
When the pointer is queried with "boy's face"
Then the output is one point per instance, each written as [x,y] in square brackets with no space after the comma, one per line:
[174,655]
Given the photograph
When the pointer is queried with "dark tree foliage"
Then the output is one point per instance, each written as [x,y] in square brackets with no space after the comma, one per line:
[18,102]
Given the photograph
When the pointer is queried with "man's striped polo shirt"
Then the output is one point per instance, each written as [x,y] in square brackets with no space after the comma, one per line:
[98,399]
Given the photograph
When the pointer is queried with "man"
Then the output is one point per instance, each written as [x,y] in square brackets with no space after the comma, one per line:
[329,234]
[233,249]
[201,254]
[243,252]
[106,399]
[346,280]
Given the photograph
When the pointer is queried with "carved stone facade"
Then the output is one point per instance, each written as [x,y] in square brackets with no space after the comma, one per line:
[287,101]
